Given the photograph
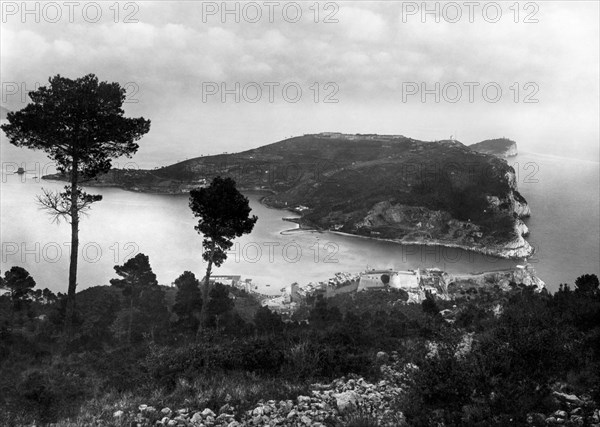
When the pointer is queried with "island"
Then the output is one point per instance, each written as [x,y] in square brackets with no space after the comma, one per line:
[387,187]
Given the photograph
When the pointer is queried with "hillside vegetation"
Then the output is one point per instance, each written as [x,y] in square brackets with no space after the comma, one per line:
[365,359]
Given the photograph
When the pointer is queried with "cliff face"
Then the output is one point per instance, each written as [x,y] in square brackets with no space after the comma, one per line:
[419,225]
[501,147]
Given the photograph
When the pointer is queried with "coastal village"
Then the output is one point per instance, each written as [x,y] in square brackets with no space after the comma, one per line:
[417,284]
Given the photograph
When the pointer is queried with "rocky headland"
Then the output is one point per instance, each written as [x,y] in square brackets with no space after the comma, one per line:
[387,187]
[501,147]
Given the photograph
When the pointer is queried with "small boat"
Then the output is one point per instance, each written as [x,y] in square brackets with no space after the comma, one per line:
[20,171]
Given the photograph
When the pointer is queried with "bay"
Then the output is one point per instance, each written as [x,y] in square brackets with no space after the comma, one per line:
[565,230]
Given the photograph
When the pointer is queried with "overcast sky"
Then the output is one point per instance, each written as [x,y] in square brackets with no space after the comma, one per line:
[374,61]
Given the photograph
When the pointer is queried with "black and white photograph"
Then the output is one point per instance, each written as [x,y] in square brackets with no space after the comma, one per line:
[300,213]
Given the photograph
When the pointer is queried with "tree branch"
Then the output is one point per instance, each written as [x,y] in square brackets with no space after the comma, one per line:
[58,204]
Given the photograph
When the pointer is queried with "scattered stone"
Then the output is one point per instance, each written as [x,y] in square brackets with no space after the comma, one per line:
[224,417]
[576,420]
[166,411]
[181,419]
[208,413]
[303,399]
[346,401]
[560,414]
[225,408]
[118,414]
[570,398]
[196,418]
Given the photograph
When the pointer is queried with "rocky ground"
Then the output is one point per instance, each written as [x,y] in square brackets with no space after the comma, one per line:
[333,404]
[329,404]
[345,401]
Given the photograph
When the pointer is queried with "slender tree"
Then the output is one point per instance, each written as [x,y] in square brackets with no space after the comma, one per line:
[223,214]
[81,125]
[136,278]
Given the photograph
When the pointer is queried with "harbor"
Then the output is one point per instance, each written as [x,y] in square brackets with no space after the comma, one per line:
[417,284]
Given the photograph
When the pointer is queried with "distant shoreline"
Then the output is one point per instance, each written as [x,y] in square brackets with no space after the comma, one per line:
[482,251]
[303,228]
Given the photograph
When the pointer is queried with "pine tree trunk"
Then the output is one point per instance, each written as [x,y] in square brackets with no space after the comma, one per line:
[205,292]
[70,309]
[12,310]
[205,289]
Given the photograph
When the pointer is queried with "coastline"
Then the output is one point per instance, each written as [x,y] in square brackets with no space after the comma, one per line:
[482,251]
[498,253]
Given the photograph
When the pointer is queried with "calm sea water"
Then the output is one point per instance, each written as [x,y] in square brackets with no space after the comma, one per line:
[565,228]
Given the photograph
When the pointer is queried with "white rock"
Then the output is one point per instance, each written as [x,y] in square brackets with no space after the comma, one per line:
[571,398]
[208,413]
[118,414]
[303,399]
[346,401]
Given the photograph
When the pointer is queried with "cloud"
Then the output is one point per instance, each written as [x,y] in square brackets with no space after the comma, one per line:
[63,47]
[369,53]
[360,24]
